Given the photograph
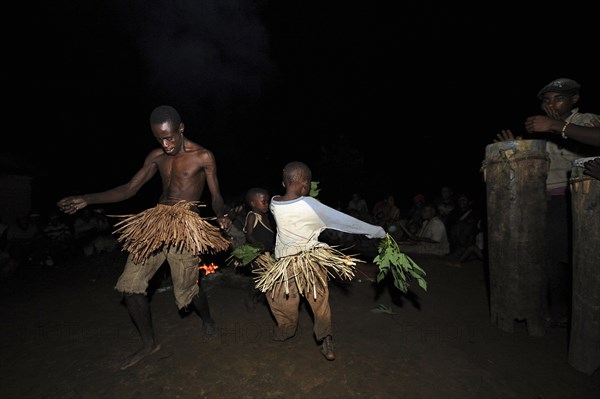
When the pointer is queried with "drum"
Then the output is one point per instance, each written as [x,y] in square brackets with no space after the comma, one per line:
[584,340]
[515,175]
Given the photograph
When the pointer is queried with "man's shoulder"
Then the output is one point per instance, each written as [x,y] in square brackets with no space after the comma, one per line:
[584,118]
[199,152]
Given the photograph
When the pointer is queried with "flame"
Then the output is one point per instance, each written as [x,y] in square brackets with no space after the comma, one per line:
[208,269]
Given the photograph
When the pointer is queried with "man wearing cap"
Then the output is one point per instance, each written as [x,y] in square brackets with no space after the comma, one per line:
[558,101]
[564,122]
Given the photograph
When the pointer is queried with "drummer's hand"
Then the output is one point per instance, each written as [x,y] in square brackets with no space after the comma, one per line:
[592,168]
[506,135]
[543,124]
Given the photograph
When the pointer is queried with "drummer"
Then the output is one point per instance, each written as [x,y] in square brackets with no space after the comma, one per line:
[562,121]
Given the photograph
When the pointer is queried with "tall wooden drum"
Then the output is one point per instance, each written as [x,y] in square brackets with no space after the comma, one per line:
[584,341]
[515,175]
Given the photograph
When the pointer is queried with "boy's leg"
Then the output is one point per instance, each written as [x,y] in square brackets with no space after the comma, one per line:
[322,314]
[285,310]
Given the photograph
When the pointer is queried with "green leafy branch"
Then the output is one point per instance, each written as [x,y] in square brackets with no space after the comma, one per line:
[244,255]
[314,189]
[402,267]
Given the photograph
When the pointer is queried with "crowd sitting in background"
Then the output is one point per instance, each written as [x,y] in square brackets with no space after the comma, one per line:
[51,240]
[475,250]
[386,214]
[93,232]
[445,203]
[358,206]
[59,239]
[24,243]
[462,225]
[432,239]
[414,220]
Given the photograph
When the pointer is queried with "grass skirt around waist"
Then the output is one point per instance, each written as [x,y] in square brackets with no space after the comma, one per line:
[309,270]
[166,226]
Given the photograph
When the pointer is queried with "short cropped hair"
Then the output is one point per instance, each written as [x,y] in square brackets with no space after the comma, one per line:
[296,171]
[253,192]
[165,113]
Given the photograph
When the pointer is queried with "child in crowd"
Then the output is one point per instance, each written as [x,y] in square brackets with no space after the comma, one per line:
[302,261]
[260,225]
[259,230]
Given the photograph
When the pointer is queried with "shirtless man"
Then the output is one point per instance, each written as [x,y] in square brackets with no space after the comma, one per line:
[185,167]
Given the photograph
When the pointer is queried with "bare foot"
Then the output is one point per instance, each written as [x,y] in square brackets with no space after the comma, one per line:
[139,356]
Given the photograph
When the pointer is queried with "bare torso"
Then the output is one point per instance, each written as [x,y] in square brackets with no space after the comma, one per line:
[184,175]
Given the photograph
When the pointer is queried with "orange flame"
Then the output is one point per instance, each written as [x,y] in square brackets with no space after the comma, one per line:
[208,269]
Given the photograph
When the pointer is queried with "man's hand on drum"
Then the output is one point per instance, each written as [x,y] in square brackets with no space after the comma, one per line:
[506,135]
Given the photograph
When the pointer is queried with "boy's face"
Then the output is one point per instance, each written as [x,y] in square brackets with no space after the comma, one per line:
[305,187]
[260,203]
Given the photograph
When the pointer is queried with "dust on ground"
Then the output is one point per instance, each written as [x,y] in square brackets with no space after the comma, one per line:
[65,333]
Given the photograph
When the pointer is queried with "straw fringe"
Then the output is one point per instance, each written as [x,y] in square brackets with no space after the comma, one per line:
[310,270]
[163,226]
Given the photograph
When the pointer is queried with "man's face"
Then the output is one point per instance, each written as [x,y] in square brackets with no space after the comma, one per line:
[559,103]
[169,139]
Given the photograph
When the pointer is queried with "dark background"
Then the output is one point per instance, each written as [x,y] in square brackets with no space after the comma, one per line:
[376,97]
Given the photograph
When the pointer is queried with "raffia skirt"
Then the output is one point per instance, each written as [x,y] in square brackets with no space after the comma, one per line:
[166,226]
[309,270]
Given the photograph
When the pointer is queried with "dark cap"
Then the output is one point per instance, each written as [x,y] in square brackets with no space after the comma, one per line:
[562,85]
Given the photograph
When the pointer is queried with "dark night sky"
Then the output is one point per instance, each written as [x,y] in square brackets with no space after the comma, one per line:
[414,90]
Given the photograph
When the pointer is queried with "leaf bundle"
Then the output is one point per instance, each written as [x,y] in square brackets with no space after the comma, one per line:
[244,255]
[401,266]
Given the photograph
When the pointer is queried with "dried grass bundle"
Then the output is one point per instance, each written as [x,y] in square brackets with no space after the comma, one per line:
[168,226]
[306,269]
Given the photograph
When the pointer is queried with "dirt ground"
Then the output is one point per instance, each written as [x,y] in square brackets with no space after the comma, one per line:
[65,333]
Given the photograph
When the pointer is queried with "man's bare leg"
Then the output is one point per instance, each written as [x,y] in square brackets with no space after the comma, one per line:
[139,310]
[200,302]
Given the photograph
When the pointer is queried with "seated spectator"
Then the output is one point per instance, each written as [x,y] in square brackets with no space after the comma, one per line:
[386,214]
[24,241]
[59,240]
[93,232]
[413,220]
[475,250]
[431,239]
[445,203]
[357,203]
[461,225]
[105,241]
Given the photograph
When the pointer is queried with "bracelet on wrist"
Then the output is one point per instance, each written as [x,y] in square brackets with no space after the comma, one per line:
[562,132]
